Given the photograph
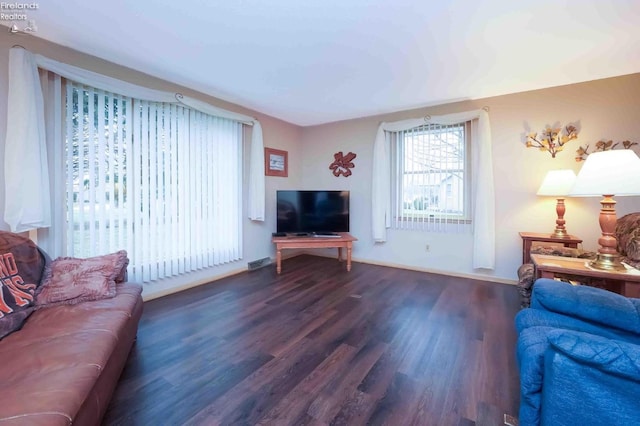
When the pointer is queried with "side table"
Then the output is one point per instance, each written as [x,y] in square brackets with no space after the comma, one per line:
[625,282]
[528,238]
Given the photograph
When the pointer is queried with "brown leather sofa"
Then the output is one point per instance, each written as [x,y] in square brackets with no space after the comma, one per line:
[62,367]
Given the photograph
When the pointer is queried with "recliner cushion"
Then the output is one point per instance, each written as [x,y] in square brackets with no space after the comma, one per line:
[608,355]
[587,303]
[541,318]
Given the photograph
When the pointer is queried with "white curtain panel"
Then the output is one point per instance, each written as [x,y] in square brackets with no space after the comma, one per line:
[256,177]
[29,208]
[26,174]
[53,239]
[482,175]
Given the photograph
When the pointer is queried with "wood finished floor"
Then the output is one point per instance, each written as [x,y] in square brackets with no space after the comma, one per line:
[318,346]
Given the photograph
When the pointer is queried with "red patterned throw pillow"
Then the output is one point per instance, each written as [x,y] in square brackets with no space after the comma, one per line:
[68,280]
[21,267]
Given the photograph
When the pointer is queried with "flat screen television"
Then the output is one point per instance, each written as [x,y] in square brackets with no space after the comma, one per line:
[312,211]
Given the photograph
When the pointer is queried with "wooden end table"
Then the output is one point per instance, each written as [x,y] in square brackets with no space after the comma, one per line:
[344,240]
[528,238]
[626,282]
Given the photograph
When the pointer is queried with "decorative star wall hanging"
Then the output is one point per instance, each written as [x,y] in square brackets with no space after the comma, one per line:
[342,164]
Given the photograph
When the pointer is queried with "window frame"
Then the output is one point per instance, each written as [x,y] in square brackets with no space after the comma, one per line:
[147,263]
[398,189]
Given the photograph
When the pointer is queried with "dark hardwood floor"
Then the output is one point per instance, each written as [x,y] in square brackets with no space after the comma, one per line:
[318,345]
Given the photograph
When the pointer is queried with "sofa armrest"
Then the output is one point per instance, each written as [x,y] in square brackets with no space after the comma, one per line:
[590,380]
[587,303]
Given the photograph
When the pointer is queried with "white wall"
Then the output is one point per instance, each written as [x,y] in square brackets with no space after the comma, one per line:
[603,109]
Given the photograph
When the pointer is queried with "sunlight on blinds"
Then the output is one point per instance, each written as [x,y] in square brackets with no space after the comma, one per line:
[161,180]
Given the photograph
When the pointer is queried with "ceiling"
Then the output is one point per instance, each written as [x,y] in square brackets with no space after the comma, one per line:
[316,61]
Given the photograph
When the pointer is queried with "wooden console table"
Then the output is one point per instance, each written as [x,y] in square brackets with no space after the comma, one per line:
[294,242]
[528,238]
[626,282]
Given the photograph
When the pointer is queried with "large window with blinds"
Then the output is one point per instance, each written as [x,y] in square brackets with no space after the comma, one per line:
[162,181]
[431,177]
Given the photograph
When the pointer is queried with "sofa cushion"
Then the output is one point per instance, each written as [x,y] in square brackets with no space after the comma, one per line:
[21,268]
[69,280]
[12,322]
[63,349]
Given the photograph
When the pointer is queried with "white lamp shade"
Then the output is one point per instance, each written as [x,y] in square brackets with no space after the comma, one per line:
[614,172]
[557,183]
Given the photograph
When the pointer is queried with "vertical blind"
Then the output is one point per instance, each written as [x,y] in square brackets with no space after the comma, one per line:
[161,180]
[430,189]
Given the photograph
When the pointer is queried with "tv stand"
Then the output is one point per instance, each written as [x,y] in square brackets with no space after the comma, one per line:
[339,241]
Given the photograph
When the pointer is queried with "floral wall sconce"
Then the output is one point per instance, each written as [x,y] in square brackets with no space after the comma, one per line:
[582,153]
[342,164]
[552,140]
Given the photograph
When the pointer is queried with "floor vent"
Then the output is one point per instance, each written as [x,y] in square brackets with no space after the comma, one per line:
[257,264]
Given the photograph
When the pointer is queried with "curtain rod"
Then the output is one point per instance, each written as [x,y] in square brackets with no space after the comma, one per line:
[428,117]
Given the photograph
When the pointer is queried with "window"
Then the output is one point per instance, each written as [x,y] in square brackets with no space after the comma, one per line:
[161,180]
[431,176]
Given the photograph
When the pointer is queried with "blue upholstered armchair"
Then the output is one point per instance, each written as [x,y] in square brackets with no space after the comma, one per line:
[579,357]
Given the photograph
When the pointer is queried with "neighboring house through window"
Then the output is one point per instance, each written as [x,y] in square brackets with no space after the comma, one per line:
[431,177]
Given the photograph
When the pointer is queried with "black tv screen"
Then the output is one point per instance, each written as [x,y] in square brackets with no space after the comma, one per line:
[312,211]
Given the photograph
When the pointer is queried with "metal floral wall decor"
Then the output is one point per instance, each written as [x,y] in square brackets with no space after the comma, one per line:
[552,140]
[582,153]
[342,164]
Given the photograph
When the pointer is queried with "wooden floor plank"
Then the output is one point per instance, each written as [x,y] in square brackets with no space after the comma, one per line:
[317,345]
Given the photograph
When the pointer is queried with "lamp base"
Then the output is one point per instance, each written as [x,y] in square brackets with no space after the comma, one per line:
[560,233]
[607,262]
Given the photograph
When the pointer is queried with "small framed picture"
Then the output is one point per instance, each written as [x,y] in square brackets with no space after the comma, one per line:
[275,162]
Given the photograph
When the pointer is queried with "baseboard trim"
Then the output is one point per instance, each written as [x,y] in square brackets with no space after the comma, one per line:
[479,277]
[150,295]
[165,292]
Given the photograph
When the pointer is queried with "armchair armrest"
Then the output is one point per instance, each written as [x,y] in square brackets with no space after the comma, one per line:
[587,303]
[608,355]
[532,345]
[590,380]
[530,317]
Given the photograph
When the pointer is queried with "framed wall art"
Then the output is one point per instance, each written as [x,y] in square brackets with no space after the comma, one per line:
[275,162]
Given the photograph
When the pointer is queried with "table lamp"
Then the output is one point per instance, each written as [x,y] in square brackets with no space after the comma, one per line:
[558,183]
[608,173]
